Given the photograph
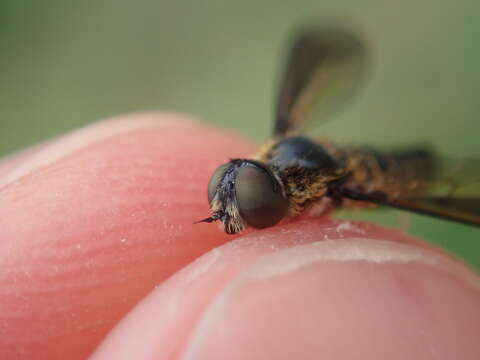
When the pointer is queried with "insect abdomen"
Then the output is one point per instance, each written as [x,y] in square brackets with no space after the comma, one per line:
[394,172]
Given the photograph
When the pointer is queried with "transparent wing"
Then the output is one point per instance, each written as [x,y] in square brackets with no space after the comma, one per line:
[453,193]
[323,70]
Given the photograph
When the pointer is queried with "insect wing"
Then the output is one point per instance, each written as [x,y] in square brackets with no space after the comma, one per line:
[323,70]
[453,194]
[459,209]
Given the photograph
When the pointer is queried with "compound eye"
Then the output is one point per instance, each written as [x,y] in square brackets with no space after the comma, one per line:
[259,199]
[215,180]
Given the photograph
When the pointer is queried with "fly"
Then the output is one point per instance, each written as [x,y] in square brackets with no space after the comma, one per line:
[293,172]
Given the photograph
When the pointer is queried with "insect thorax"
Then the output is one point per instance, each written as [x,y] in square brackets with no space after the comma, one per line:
[304,167]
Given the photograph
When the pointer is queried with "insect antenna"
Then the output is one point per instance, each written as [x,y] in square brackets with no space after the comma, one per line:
[210,219]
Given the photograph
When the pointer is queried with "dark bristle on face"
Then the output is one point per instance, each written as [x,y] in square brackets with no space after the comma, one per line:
[215,180]
[259,197]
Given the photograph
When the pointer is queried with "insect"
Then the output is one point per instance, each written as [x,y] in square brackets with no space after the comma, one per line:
[292,172]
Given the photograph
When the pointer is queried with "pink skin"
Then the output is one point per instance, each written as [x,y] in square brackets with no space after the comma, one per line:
[93,226]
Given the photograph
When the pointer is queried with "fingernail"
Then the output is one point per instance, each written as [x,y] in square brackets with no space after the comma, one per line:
[343,299]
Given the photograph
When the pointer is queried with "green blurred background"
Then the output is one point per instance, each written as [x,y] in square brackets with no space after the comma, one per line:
[65,64]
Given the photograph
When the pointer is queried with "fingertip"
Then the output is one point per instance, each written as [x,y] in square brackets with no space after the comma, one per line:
[347,296]
[92,221]
[38,156]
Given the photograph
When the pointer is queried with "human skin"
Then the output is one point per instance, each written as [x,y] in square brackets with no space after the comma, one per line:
[100,258]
